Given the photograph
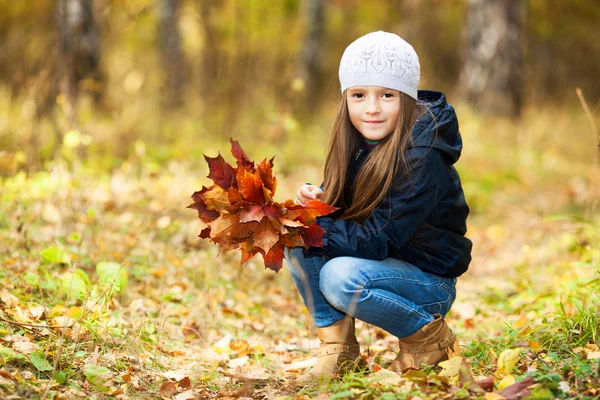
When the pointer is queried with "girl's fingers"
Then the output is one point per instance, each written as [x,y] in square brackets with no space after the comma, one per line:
[307,193]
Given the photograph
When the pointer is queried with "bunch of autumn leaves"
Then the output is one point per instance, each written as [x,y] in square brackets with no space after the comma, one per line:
[241,214]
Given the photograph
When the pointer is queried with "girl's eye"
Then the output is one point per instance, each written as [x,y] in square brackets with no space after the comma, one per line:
[388,95]
[358,95]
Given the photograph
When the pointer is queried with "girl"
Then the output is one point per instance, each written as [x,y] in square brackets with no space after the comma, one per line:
[392,253]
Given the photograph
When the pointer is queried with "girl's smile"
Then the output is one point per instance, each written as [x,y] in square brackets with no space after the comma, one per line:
[373,110]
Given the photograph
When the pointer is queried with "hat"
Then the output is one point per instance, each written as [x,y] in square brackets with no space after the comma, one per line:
[381,59]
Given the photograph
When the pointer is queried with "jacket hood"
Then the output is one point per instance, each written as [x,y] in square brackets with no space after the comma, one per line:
[439,116]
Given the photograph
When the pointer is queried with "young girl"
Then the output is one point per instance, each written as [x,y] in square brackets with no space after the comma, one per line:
[392,253]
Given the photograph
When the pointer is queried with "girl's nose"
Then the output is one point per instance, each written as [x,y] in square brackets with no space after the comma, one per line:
[372,107]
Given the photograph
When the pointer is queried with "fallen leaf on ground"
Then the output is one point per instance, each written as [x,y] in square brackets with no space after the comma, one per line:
[451,367]
[506,382]
[518,390]
[300,364]
[9,299]
[507,360]
[168,388]
[187,395]
[241,347]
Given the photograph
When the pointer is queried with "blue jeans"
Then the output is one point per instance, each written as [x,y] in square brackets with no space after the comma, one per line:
[391,294]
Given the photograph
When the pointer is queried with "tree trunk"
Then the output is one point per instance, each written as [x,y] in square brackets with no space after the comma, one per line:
[309,64]
[78,62]
[171,54]
[492,79]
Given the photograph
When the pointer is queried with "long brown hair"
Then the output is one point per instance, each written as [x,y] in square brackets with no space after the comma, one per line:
[376,176]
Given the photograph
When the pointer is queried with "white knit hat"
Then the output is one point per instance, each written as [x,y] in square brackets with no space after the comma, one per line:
[381,59]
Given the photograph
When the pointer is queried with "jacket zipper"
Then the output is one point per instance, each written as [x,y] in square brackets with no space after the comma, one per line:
[358,154]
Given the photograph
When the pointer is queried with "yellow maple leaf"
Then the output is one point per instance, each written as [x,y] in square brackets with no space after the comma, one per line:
[507,360]
[451,366]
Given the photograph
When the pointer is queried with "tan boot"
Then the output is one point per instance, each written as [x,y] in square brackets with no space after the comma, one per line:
[339,352]
[431,344]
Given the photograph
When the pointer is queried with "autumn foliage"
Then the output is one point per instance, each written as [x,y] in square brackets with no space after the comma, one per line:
[241,214]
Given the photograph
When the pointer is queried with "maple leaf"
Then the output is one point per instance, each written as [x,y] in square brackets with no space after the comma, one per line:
[205,233]
[217,199]
[266,235]
[250,186]
[248,250]
[265,172]
[230,226]
[273,259]
[221,173]
[252,213]
[312,235]
[240,155]
[240,213]
[307,214]
[292,240]
[204,213]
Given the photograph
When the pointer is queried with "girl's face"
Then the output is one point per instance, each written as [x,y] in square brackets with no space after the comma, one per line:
[374,110]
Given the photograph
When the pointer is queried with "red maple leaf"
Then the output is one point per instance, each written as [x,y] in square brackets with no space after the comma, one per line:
[240,212]
[221,173]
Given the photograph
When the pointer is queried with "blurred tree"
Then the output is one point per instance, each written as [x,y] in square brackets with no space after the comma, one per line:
[171,54]
[79,51]
[560,51]
[309,61]
[492,79]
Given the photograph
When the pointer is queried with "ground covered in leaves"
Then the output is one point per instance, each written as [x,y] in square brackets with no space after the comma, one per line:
[106,292]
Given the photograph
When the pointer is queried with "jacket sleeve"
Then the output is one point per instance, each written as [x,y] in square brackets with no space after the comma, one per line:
[391,226]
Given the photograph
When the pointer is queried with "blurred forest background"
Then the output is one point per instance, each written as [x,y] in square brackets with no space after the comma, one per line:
[181,73]
[106,110]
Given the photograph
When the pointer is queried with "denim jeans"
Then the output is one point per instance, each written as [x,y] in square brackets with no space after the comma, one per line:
[391,294]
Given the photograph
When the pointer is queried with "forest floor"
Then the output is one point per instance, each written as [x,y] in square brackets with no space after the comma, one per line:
[182,322]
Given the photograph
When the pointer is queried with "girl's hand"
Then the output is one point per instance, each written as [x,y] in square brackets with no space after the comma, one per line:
[307,193]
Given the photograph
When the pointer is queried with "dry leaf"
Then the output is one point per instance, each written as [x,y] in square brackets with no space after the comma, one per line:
[238,362]
[6,382]
[506,382]
[168,388]
[36,311]
[518,390]
[185,383]
[172,353]
[507,360]
[25,347]
[592,355]
[241,347]
[494,396]
[450,367]
[9,299]
[187,395]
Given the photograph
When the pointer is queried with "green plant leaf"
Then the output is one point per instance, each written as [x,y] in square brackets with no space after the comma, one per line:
[74,237]
[109,271]
[7,355]
[32,279]
[60,377]
[77,283]
[47,281]
[38,359]
[97,376]
[343,395]
[55,255]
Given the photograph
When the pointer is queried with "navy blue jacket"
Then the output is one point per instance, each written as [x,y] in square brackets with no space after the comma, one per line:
[423,221]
